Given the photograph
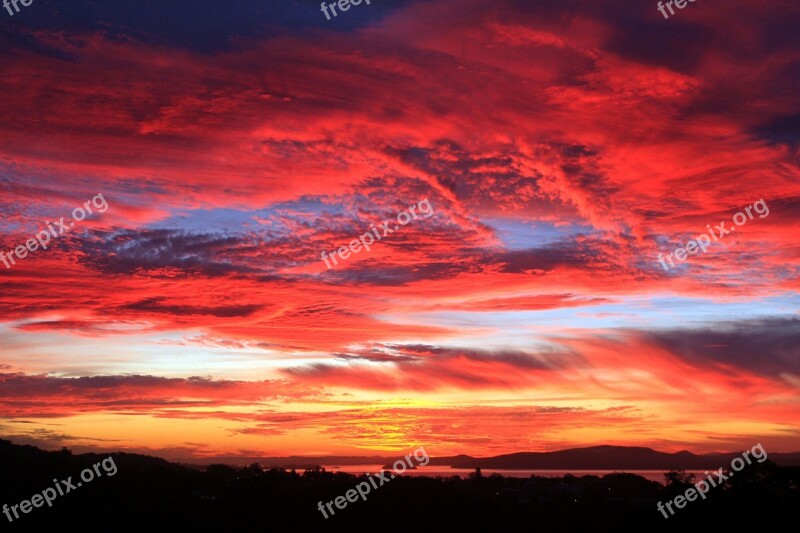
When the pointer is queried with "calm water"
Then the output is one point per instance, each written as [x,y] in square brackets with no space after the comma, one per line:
[440,471]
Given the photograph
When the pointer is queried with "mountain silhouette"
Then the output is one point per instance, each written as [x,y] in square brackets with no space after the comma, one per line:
[602,457]
[612,458]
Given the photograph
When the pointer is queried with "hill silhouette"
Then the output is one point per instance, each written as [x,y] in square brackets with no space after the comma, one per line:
[590,458]
[151,494]
[612,458]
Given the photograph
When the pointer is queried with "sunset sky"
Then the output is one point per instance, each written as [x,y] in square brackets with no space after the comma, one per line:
[561,145]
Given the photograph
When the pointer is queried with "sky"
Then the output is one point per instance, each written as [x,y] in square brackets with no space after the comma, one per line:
[553,153]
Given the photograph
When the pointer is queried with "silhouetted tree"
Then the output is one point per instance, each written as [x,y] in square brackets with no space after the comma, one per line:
[679,478]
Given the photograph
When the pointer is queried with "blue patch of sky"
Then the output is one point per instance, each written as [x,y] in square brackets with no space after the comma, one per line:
[270,220]
[640,312]
[518,234]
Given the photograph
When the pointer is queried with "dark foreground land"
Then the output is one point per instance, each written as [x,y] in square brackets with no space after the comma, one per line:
[150,494]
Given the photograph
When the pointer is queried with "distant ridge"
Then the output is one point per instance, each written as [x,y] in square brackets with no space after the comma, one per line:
[613,458]
[591,458]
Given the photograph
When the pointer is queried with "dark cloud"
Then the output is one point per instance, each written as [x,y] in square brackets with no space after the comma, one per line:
[416,354]
[206,26]
[155,305]
[769,347]
[783,129]
[579,253]
[368,273]
[46,396]
[22,385]
[518,358]
[645,36]
[130,251]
